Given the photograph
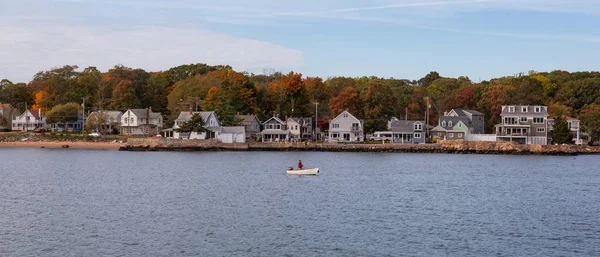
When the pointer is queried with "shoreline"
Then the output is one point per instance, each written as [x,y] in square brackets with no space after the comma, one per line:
[63,144]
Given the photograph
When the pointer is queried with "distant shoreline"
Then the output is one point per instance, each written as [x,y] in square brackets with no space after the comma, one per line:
[63,144]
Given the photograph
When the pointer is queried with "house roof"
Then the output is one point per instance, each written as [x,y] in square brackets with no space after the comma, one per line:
[247,119]
[274,118]
[232,129]
[473,112]
[403,125]
[35,114]
[455,120]
[111,114]
[141,113]
[185,116]
[347,112]
[519,111]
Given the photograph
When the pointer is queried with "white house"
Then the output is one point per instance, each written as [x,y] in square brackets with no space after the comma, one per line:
[346,128]
[275,130]
[232,135]
[211,122]
[141,122]
[28,120]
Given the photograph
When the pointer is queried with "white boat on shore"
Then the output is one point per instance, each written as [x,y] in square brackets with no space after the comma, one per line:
[292,171]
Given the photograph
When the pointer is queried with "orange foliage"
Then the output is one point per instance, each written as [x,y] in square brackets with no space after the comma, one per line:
[40,97]
[348,99]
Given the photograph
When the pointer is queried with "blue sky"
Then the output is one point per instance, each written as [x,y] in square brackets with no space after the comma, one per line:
[386,38]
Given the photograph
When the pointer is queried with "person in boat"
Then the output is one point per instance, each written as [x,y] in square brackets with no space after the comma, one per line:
[300,164]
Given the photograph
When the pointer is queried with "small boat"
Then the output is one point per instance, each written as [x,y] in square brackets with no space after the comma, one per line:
[292,171]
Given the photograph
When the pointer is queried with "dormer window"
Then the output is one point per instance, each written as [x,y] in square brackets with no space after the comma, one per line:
[443,123]
[449,123]
[538,109]
[418,127]
[511,109]
[524,109]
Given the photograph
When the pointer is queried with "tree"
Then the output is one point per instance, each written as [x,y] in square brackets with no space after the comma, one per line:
[429,78]
[63,113]
[195,124]
[124,96]
[560,133]
[378,100]
[211,101]
[97,122]
[349,99]
[590,119]
[226,114]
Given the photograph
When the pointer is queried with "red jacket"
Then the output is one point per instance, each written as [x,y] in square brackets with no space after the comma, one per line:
[300,165]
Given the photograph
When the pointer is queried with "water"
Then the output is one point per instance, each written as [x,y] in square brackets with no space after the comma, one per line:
[68,202]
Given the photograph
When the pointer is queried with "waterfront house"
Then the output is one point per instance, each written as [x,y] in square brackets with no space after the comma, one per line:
[523,124]
[29,120]
[403,132]
[346,128]
[211,123]
[142,122]
[574,127]
[251,124]
[458,124]
[300,128]
[230,135]
[7,114]
[275,130]
[111,120]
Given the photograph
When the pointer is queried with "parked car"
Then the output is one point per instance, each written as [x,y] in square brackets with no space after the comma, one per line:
[39,130]
[94,134]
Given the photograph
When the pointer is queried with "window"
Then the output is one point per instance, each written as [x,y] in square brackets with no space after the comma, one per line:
[417,135]
[460,125]
[511,109]
[335,125]
[345,115]
[538,109]
[523,119]
[296,128]
[541,129]
[538,120]
[443,123]
[451,135]
[524,109]
[418,127]
[449,123]
[459,135]
[510,120]
[278,126]
[131,120]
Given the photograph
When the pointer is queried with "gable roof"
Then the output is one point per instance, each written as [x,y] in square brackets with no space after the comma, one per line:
[473,112]
[141,113]
[403,125]
[246,120]
[274,118]
[185,116]
[350,114]
[238,129]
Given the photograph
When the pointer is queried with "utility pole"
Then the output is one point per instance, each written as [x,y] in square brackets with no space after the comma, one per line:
[427,119]
[316,120]
[83,115]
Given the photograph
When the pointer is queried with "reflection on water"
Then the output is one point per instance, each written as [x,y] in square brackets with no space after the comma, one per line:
[96,203]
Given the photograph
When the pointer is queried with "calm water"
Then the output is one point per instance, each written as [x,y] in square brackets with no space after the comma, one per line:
[109,203]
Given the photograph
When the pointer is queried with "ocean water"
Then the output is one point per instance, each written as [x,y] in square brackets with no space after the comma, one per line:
[70,202]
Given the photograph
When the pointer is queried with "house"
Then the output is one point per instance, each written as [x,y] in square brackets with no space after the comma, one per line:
[403,131]
[300,128]
[458,124]
[211,123]
[523,124]
[251,124]
[141,122]
[346,128]
[111,120]
[230,135]
[70,126]
[275,130]
[29,120]
[7,114]
[574,127]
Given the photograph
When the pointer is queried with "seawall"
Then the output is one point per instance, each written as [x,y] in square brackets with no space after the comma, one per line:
[455,147]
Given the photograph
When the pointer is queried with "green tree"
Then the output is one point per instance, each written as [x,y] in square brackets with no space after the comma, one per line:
[590,119]
[560,133]
[64,113]
[429,78]
[226,114]
[124,96]
[195,124]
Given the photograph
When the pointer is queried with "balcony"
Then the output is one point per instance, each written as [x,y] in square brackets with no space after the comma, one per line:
[504,134]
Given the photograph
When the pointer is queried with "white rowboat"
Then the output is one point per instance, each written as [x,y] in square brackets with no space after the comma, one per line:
[314,171]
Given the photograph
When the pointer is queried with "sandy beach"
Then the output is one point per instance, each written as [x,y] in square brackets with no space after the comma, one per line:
[56,144]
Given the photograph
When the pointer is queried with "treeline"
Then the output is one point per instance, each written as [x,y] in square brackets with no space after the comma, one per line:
[220,88]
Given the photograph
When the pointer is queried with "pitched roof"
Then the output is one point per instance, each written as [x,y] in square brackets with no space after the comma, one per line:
[232,129]
[111,114]
[274,118]
[141,113]
[35,114]
[247,119]
[530,111]
[3,106]
[455,120]
[185,116]
[403,125]
[473,112]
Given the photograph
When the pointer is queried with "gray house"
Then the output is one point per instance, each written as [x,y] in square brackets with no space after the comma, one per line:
[523,124]
[346,128]
[275,130]
[457,124]
[403,132]
[251,124]
[300,128]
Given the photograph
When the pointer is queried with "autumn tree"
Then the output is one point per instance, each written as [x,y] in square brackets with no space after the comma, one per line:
[378,101]
[429,78]
[590,119]
[64,113]
[124,96]
[350,100]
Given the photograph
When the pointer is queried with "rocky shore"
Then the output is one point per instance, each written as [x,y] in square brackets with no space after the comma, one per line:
[453,147]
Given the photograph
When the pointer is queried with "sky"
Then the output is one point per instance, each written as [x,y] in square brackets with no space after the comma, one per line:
[406,39]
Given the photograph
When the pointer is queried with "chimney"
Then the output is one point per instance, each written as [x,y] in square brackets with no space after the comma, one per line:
[191,112]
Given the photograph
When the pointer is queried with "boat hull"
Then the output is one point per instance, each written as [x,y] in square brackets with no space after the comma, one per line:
[314,171]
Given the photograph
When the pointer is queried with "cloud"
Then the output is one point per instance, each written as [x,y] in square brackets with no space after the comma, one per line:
[44,45]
